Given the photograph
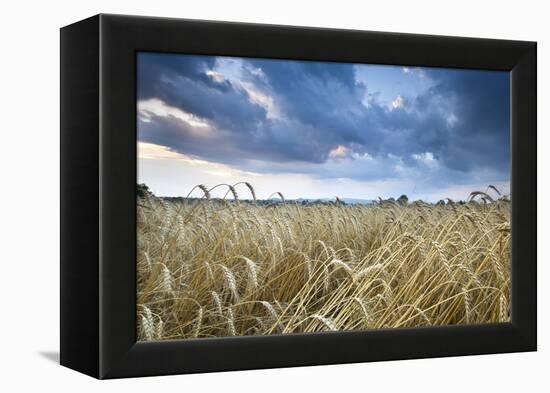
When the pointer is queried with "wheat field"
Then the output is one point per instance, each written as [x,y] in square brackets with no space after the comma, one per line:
[232,267]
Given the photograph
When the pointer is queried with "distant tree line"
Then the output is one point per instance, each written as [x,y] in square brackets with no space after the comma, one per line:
[144,191]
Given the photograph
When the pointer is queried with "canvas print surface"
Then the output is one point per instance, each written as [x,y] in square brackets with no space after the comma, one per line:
[282,196]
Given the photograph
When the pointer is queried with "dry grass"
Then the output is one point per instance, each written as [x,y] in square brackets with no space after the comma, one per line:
[221,268]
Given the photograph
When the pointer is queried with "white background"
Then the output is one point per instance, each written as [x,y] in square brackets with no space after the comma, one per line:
[29,175]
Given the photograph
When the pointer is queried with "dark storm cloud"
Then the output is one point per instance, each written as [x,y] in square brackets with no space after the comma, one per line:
[182,81]
[482,103]
[321,95]
[462,119]
[154,69]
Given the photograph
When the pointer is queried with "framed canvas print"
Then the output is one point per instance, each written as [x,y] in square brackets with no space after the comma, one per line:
[239,196]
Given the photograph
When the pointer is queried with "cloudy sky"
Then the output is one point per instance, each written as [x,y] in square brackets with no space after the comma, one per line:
[319,129]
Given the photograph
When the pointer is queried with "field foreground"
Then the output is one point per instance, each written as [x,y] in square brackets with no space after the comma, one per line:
[210,267]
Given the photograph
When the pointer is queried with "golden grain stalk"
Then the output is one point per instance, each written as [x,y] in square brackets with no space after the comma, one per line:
[211,267]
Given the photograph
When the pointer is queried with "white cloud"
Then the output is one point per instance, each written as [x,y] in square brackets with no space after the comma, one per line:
[362,156]
[451,120]
[339,151]
[262,99]
[215,75]
[232,70]
[397,103]
[156,107]
[426,158]
[171,173]
[257,71]
[151,151]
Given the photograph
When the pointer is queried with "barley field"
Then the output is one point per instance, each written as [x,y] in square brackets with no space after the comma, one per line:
[234,267]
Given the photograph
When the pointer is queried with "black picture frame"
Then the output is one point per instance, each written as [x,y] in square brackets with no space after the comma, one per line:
[98,196]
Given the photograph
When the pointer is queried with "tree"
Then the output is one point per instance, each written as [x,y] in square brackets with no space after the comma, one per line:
[403,200]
